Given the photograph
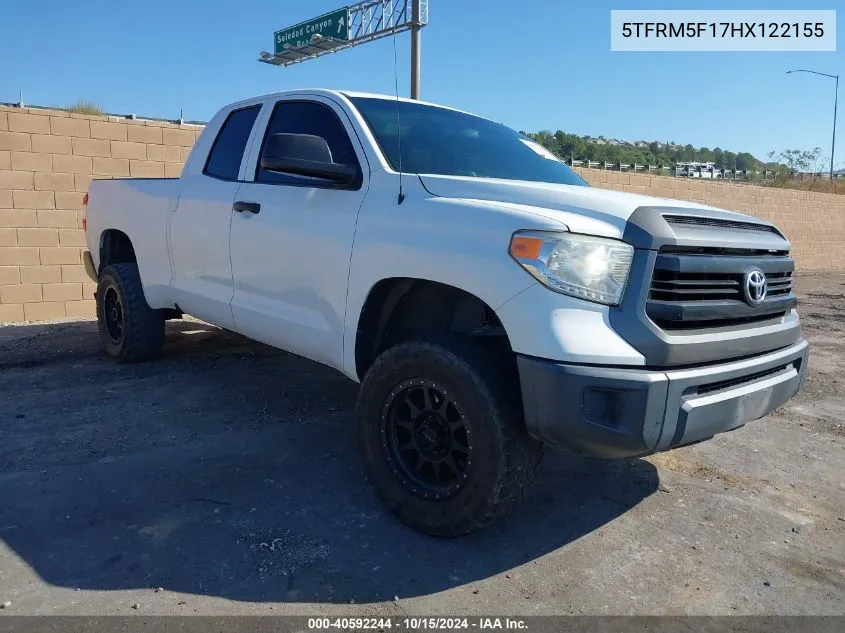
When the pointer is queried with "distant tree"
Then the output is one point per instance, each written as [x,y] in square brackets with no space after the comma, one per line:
[790,162]
[745,160]
[798,161]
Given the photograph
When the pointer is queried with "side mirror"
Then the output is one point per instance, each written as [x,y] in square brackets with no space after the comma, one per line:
[304,155]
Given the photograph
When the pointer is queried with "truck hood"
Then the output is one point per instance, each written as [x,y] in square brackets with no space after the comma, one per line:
[581,209]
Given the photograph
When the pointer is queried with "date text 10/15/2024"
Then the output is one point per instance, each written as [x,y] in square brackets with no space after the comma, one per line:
[417,623]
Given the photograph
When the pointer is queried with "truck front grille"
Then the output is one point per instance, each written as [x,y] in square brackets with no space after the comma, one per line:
[694,290]
[679,286]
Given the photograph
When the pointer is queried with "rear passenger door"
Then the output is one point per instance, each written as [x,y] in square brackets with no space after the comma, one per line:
[200,223]
[292,243]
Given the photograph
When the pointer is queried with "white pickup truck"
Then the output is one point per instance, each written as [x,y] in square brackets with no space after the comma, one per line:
[487,298]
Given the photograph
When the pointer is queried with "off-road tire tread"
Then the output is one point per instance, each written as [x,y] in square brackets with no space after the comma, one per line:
[143,326]
[497,384]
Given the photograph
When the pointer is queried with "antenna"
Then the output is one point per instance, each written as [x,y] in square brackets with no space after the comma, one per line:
[398,123]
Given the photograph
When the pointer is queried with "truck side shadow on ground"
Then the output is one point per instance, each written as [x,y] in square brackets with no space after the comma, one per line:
[230,469]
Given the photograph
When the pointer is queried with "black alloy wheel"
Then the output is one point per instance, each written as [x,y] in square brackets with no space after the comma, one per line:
[426,439]
[113,315]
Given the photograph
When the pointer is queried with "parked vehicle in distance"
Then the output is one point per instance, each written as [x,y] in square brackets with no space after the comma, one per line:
[486,297]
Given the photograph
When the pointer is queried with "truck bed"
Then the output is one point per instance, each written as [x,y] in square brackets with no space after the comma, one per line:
[139,207]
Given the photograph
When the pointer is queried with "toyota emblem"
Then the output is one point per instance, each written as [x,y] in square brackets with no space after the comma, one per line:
[754,286]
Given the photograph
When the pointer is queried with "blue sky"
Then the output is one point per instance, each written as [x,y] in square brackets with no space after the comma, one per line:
[548,65]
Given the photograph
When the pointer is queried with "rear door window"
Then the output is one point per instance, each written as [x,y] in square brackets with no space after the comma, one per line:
[224,159]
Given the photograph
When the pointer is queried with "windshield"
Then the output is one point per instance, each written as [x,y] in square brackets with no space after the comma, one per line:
[440,141]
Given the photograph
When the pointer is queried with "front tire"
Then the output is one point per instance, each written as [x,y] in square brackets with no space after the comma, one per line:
[130,330]
[442,436]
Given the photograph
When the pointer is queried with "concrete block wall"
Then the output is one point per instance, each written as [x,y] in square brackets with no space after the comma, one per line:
[813,222]
[48,158]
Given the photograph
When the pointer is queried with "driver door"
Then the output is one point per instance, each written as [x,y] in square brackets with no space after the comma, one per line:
[292,241]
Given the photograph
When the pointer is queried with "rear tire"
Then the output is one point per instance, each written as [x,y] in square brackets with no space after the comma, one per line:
[453,407]
[131,331]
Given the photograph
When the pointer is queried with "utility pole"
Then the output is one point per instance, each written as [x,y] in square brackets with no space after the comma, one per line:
[415,49]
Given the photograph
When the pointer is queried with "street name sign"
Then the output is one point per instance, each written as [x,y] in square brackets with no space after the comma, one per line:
[334,24]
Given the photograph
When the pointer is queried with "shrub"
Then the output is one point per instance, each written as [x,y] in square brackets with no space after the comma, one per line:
[86,107]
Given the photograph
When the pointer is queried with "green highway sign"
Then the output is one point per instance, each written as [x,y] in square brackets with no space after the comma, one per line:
[334,24]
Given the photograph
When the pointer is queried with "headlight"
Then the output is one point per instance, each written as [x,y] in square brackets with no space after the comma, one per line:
[583,266]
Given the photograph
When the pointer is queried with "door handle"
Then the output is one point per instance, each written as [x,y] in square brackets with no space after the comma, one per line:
[252,207]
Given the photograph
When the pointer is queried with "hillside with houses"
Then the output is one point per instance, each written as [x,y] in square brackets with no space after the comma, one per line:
[641,152]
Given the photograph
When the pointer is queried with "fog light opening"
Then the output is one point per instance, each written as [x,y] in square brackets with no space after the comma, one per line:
[603,406]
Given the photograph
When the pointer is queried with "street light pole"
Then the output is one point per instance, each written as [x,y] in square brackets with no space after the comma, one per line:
[835,104]
[415,49]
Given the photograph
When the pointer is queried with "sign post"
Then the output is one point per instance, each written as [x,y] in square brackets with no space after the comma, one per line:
[415,50]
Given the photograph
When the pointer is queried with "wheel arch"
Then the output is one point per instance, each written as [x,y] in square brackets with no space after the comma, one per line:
[115,248]
[400,308]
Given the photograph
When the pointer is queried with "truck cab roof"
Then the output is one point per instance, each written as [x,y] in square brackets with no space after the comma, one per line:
[328,92]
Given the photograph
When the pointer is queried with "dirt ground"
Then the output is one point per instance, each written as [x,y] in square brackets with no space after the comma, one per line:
[223,479]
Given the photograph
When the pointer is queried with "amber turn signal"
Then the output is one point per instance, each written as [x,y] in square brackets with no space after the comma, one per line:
[523,247]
